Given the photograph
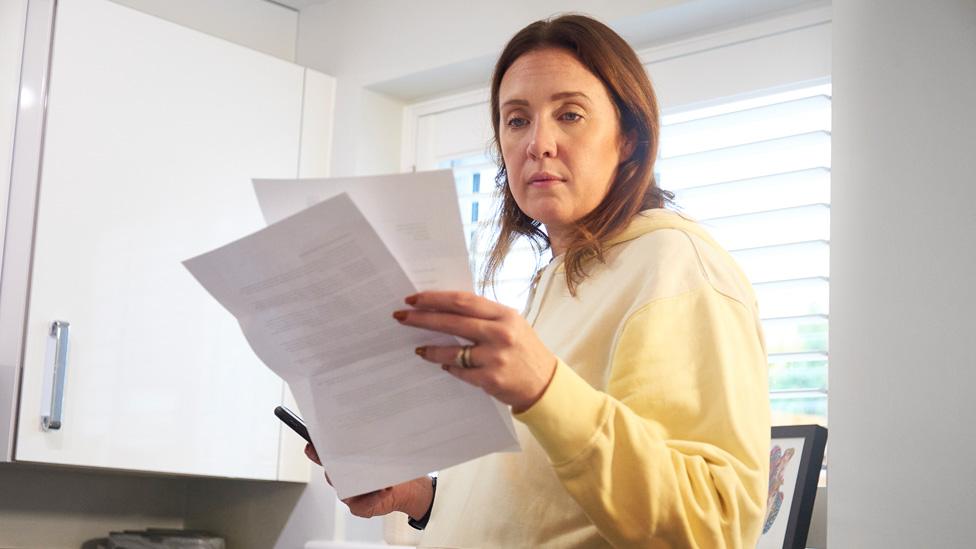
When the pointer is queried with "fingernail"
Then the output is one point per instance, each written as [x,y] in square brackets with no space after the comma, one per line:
[400,315]
[411,299]
[421,351]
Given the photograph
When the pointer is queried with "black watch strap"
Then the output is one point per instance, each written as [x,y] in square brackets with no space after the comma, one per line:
[421,523]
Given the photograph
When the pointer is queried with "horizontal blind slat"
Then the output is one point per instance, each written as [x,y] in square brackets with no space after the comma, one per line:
[802,260]
[793,298]
[794,188]
[798,393]
[778,358]
[796,335]
[801,152]
[782,226]
[684,114]
[747,126]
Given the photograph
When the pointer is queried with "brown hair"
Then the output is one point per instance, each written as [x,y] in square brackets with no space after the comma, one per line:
[605,54]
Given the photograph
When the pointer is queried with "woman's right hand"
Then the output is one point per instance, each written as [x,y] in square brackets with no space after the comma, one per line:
[413,497]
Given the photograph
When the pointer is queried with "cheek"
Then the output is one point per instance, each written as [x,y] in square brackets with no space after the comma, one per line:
[598,167]
[509,147]
[609,153]
[511,158]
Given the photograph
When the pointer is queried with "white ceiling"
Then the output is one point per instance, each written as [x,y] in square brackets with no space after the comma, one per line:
[298,4]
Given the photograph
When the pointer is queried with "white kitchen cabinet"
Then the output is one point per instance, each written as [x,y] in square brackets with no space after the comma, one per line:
[152,134]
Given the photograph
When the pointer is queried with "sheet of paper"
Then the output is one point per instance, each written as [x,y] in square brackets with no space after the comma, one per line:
[314,294]
[416,215]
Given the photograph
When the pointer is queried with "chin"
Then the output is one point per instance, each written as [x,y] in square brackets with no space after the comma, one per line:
[550,220]
[542,215]
[548,212]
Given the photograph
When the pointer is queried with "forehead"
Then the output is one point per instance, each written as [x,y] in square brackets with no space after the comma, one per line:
[541,73]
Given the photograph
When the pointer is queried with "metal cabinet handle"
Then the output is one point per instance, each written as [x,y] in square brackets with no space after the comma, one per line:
[59,331]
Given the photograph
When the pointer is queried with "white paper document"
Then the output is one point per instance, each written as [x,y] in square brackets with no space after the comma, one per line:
[314,293]
[415,214]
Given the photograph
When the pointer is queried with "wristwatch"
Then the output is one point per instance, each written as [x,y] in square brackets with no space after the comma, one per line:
[421,523]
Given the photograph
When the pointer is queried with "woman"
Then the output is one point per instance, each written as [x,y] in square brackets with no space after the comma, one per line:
[638,373]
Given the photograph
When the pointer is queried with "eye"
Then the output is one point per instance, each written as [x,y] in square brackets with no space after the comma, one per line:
[570,116]
[516,122]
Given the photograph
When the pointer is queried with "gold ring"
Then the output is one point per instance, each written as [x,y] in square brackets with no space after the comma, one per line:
[463,358]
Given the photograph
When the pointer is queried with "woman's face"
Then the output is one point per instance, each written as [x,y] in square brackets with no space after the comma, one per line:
[560,138]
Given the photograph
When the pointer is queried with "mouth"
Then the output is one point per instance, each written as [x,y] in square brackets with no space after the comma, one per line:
[545,179]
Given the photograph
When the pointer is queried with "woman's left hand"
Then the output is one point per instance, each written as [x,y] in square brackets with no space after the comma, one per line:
[508,361]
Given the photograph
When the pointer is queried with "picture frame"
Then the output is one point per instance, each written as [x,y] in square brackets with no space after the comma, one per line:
[796,456]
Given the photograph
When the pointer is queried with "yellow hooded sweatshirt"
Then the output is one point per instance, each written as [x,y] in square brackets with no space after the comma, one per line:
[655,429]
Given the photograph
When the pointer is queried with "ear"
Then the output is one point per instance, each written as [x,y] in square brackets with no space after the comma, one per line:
[628,145]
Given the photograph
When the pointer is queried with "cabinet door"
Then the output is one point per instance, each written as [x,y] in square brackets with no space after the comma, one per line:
[153,133]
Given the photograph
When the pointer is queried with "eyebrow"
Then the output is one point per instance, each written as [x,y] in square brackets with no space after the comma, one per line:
[553,97]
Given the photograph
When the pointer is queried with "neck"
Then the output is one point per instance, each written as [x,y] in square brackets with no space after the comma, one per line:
[558,240]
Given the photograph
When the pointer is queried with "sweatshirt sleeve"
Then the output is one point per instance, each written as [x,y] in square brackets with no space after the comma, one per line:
[675,453]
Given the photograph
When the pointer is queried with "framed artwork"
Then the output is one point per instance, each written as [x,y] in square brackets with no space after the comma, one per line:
[795,458]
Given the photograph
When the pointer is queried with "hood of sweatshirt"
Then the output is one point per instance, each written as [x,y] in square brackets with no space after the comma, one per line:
[652,220]
[659,218]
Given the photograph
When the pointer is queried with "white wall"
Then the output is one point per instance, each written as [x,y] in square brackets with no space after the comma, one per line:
[61,509]
[261,515]
[759,56]
[903,262]
[367,130]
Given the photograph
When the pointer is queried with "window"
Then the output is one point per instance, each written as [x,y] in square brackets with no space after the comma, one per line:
[756,174]
[475,179]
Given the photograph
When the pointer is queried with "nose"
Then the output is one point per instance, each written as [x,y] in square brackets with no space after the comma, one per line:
[542,140]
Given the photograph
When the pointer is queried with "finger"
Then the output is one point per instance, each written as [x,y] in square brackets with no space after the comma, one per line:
[473,329]
[360,506]
[460,303]
[449,355]
[363,498]
[311,454]
[467,375]
[366,505]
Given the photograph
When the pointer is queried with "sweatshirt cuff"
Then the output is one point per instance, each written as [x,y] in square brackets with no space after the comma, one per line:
[567,416]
